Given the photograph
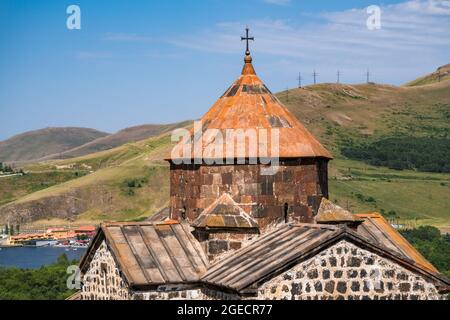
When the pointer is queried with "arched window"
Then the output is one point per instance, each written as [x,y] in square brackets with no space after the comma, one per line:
[286,210]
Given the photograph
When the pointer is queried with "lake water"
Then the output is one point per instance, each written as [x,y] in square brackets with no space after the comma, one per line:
[32,258]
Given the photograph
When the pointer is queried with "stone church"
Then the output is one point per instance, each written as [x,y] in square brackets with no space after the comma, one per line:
[232,232]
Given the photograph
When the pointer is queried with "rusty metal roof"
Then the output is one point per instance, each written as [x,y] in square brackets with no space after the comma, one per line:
[224,212]
[249,104]
[159,216]
[375,227]
[151,254]
[267,254]
[330,212]
[287,246]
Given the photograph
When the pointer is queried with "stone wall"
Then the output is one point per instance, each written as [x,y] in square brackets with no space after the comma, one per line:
[220,243]
[103,280]
[345,271]
[181,292]
[299,183]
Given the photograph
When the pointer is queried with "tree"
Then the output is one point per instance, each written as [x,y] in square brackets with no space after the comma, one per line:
[17,228]
[6,229]
[62,259]
[47,282]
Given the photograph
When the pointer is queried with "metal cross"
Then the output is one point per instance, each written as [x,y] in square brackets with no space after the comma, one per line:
[247,38]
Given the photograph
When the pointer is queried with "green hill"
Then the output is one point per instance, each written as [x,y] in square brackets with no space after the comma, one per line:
[131,181]
[123,183]
[119,138]
[40,143]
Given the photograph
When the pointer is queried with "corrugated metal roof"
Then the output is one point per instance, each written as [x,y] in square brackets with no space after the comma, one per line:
[260,258]
[282,248]
[376,228]
[249,104]
[224,213]
[153,253]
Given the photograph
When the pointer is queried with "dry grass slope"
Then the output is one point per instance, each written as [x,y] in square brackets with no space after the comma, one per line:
[40,143]
[131,181]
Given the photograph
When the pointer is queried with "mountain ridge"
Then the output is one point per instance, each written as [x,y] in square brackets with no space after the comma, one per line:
[37,143]
[56,145]
[131,181]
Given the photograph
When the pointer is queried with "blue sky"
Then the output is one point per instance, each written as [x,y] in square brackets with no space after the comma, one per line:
[136,62]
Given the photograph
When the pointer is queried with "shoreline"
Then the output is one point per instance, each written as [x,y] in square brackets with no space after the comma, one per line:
[25,246]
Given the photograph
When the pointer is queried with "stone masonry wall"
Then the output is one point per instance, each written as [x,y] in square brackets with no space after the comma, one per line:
[299,183]
[103,280]
[345,271]
[169,293]
[218,244]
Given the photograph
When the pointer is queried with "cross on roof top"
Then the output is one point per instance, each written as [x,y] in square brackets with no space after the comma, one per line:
[247,38]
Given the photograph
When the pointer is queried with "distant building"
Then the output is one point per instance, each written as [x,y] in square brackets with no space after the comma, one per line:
[233,233]
[85,230]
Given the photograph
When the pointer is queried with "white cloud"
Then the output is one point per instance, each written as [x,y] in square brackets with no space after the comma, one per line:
[414,39]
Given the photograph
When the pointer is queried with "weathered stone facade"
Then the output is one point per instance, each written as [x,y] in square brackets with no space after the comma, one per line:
[298,186]
[345,271]
[216,243]
[180,292]
[103,279]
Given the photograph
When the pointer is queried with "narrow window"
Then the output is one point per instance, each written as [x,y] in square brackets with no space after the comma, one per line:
[183,213]
[286,209]
[103,268]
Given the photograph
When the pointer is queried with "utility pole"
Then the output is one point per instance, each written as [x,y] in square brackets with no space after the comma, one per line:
[315,76]
[338,76]
[299,79]
[368,76]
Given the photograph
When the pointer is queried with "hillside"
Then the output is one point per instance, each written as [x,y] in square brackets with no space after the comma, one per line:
[131,182]
[337,113]
[441,74]
[126,182]
[127,135]
[40,143]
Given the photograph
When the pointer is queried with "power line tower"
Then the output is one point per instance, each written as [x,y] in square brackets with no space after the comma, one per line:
[299,79]
[315,76]
[368,76]
[338,77]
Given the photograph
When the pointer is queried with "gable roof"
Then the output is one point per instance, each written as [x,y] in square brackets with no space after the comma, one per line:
[151,254]
[376,228]
[249,104]
[224,212]
[330,212]
[289,245]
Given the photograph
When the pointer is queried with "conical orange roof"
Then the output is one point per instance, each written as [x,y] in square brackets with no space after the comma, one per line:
[249,104]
